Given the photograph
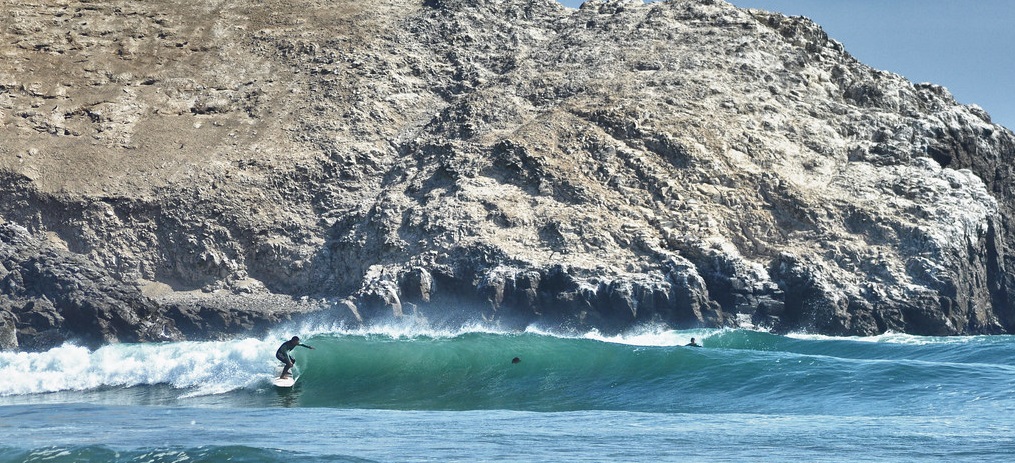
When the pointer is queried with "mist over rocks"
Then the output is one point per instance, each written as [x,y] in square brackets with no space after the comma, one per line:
[193,169]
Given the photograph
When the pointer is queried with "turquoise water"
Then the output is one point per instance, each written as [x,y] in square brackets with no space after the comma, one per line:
[410,394]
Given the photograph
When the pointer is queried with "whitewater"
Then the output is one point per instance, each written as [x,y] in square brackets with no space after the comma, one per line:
[413,393]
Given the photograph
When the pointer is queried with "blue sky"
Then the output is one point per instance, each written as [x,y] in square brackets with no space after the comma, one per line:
[965,45]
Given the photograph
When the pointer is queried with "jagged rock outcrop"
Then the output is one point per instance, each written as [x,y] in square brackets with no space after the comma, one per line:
[193,168]
[54,295]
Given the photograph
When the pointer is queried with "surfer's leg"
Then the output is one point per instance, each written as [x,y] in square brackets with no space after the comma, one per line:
[288,367]
[287,361]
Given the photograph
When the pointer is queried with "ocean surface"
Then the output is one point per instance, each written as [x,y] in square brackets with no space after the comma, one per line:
[408,394]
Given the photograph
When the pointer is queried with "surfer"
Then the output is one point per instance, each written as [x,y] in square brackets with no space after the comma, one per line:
[692,344]
[282,354]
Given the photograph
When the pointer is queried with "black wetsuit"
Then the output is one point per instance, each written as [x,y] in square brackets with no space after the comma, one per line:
[282,354]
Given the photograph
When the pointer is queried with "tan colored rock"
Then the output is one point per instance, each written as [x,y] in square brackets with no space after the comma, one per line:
[681,162]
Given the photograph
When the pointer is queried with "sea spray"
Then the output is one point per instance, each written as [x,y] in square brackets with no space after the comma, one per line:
[209,367]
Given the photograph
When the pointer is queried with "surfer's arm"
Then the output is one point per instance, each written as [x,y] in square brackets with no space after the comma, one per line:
[304,345]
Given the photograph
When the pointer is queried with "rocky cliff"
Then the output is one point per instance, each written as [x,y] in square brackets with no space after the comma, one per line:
[200,168]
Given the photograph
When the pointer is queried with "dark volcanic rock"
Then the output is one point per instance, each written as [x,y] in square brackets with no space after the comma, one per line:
[191,169]
[56,295]
[53,296]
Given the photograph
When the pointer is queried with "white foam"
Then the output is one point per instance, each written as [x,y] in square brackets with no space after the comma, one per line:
[652,336]
[208,367]
[410,329]
[888,337]
[402,328]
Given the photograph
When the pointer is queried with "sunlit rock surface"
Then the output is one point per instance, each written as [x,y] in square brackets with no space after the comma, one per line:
[192,169]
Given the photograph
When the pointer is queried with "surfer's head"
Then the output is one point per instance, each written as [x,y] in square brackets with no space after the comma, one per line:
[295,339]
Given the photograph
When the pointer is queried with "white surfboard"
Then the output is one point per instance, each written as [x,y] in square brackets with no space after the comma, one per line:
[288,381]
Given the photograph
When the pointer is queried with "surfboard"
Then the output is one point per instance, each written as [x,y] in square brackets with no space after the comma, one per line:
[288,381]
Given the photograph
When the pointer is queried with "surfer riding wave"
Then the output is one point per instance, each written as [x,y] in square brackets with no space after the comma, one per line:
[282,354]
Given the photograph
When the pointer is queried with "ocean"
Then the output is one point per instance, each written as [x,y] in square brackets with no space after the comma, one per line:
[414,394]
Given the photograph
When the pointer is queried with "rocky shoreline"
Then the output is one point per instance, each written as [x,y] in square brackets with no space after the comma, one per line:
[190,169]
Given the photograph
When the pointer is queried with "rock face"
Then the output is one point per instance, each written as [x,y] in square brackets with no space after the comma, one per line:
[195,168]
